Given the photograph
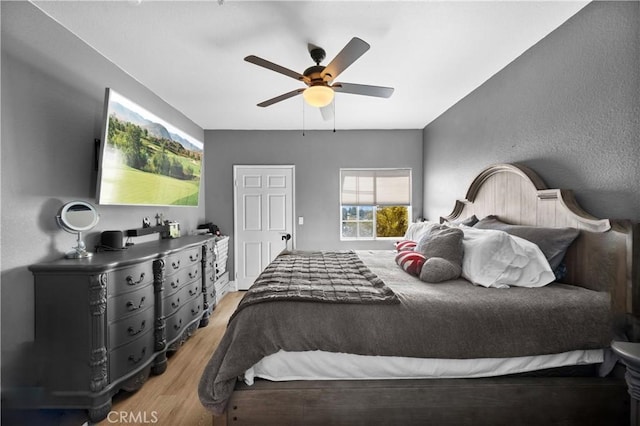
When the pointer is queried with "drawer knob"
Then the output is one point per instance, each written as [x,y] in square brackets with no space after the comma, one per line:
[196,311]
[130,280]
[175,304]
[193,292]
[133,332]
[178,325]
[133,307]
[176,283]
[176,264]
[193,274]
[193,258]
[135,360]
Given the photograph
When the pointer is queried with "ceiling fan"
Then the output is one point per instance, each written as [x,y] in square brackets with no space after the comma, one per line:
[319,79]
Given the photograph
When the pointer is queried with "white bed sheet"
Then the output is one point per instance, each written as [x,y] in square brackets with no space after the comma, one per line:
[319,365]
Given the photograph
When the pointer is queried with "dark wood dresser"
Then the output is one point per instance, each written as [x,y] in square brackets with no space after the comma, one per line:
[105,323]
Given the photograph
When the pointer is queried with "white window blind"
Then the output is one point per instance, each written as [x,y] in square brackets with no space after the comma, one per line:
[375,187]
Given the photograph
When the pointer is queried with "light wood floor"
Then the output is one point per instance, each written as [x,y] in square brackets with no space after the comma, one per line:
[172,398]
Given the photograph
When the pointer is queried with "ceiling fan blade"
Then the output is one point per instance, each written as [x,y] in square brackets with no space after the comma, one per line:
[282,97]
[275,67]
[348,55]
[327,112]
[363,89]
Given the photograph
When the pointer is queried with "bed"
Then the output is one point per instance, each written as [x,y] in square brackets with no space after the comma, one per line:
[479,355]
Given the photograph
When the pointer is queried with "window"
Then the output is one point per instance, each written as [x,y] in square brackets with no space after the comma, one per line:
[374,203]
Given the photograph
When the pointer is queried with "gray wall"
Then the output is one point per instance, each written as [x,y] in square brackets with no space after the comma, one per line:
[318,157]
[52,104]
[569,108]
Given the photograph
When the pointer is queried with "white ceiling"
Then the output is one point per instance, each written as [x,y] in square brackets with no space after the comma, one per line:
[190,53]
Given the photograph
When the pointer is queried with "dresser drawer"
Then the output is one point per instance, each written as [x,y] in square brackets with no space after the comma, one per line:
[221,282]
[130,328]
[210,278]
[211,295]
[129,279]
[210,290]
[211,263]
[181,278]
[221,268]
[131,356]
[177,322]
[130,303]
[181,297]
[209,247]
[184,259]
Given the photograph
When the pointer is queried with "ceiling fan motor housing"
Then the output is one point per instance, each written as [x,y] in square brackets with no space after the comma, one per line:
[314,74]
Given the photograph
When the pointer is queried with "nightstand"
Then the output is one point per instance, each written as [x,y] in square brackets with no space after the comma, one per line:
[629,352]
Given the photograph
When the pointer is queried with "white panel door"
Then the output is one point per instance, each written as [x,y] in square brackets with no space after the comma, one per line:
[263,199]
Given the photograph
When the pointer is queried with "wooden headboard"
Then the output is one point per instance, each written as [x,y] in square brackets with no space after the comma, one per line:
[601,258]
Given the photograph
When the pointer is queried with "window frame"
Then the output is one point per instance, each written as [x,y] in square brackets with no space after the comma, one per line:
[374,207]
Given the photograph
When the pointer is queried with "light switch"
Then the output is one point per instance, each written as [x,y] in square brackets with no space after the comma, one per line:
[300,220]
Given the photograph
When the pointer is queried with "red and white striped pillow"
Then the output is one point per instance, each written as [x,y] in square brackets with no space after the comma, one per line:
[411,261]
[405,245]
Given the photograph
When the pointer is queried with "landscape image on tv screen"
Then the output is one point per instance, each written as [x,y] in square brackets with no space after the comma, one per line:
[145,160]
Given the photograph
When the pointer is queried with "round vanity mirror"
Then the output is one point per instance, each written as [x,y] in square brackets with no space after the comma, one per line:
[77,217]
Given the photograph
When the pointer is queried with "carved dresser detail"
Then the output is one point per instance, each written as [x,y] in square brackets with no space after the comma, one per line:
[105,323]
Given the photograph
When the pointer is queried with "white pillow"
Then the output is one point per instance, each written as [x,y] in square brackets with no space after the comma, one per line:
[494,258]
[416,230]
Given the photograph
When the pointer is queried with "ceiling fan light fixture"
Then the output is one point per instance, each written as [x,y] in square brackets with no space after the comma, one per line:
[318,96]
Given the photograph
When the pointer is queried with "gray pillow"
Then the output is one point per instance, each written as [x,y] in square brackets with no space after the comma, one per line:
[553,242]
[442,249]
[470,221]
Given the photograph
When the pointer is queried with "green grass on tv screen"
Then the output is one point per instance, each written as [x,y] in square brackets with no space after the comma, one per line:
[126,185]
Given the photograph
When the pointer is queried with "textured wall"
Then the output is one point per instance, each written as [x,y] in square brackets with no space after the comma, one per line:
[569,108]
[53,89]
[318,157]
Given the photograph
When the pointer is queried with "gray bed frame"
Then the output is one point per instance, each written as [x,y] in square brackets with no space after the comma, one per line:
[601,258]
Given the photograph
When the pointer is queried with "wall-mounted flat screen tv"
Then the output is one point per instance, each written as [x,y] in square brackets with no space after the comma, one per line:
[145,160]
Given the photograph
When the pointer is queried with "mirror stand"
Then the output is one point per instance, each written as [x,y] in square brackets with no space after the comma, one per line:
[79,251]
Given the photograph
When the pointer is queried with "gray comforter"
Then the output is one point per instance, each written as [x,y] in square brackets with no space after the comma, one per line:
[318,276]
[454,319]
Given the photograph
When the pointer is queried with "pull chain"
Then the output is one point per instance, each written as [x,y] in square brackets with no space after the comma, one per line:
[334,115]
[303,117]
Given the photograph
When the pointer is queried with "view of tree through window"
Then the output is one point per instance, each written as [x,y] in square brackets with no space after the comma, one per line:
[392,221]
